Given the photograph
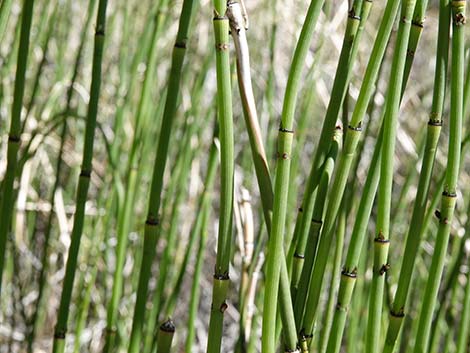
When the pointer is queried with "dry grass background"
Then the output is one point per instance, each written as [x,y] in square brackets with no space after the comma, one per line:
[286,16]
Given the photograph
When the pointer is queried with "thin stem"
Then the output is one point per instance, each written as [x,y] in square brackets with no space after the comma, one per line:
[225,118]
[14,137]
[83,183]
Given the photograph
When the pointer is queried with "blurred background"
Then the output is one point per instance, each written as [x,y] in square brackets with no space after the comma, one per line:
[56,101]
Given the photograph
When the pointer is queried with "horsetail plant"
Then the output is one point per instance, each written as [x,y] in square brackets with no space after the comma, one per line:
[352,36]
[415,232]
[165,336]
[236,21]
[225,118]
[449,195]
[381,241]
[126,285]
[200,229]
[350,269]
[131,185]
[14,136]
[60,330]
[314,233]
[151,224]
[357,15]
[284,148]
[60,161]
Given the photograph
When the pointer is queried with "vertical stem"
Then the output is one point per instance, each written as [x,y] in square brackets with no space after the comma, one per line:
[83,183]
[463,331]
[348,53]
[285,137]
[449,194]
[14,137]
[415,232]
[225,118]
[165,336]
[152,222]
[260,161]
[202,219]
[382,242]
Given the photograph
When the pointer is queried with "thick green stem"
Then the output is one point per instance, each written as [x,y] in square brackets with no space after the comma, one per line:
[415,232]
[348,53]
[260,161]
[449,194]
[301,269]
[152,222]
[165,336]
[275,248]
[382,240]
[225,118]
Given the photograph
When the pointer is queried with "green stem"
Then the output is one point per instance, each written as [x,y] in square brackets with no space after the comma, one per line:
[260,161]
[152,222]
[14,137]
[165,336]
[449,195]
[350,46]
[413,239]
[382,240]
[285,137]
[83,183]
[225,118]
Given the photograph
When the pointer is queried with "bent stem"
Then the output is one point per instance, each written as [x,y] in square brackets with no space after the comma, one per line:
[260,161]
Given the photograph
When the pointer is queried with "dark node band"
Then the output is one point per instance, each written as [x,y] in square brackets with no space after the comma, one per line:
[223,307]
[168,326]
[418,24]
[220,18]
[60,335]
[221,276]
[355,128]
[316,221]
[460,19]
[283,155]
[181,45]
[384,269]
[152,221]
[398,314]
[100,32]
[449,194]
[352,274]
[436,122]
[221,46]
[13,138]
[380,239]
[281,129]
[85,173]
